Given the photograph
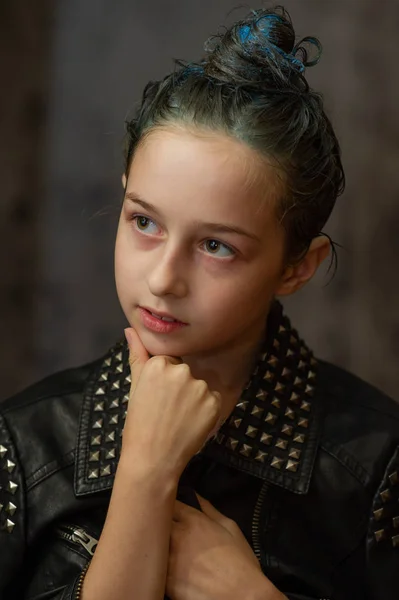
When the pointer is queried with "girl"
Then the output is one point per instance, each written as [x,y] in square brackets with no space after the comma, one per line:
[232,170]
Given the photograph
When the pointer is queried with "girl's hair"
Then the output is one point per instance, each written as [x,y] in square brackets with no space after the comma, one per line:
[251,86]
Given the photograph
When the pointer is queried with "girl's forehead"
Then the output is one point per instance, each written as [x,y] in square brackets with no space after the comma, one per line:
[203,166]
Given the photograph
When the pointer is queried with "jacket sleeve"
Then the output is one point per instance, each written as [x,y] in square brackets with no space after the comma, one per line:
[383,536]
[12,511]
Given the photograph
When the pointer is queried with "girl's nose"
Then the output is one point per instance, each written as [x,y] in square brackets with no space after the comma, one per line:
[168,276]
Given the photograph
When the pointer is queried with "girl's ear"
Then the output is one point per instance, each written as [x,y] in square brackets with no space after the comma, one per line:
[295,276]
[124,181]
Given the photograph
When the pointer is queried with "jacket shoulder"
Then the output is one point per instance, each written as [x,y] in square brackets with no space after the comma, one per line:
[56,385]
[361,423]
[43,420]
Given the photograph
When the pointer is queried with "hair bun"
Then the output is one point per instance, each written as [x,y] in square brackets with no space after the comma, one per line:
[265,40]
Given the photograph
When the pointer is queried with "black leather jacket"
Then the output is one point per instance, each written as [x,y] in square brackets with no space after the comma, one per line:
[307,465]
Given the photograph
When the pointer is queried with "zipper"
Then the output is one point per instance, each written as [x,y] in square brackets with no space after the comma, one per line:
[78,536]
[256,520]
[256,523]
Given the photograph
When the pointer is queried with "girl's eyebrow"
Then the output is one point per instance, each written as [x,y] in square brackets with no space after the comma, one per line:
[133,197]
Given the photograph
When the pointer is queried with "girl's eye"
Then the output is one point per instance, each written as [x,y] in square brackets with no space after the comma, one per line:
[214,246]
[141,222]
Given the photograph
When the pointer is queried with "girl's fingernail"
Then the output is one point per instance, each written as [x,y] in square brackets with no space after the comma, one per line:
[128,336]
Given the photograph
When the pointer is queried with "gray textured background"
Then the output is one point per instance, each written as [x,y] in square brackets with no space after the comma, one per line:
[70,72]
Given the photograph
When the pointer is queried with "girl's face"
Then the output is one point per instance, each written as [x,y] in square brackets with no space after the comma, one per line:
[179,257]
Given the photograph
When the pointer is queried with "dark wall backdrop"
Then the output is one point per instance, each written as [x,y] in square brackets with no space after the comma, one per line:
[72,70]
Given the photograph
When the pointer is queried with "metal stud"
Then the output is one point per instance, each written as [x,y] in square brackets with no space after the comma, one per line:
[302,364]
[220,437]
[279,387]
[303,423]
[10,508]
[295,453]
[263,356]
[95,440]
[110,437]
[304,351]
[282,444]
[298,381]
[277,463]
[128,378]
[378,514]
[290,352]
[261,456]
[294,398]
[114,403]
[99,406]
[386,495]
[313,361]
[379,535]
[282,329]
[125,399]
[246,450]
[286,372]
[9,526]
[299,438]
[393,478]
[104,471]
[292,465]
[242,405]
[395,522]
[94,456]
[268,376]
[118,357]
[100,391]
[276,344]
[305,406]
[119,368]
[309,389]
[93,474]
[107,362]
[261,395]
[289,413]
[251,431]
[3,451]
[311,375]
[266,439]
[231,443]
[395,541]
[110,454]
[257,411]
[1,507]
[12,487]
[9,466]
[270,418]
[104,376]
[272,361]
[98,424]
[276,402]
[287,429]
[115,385]
[114,420]
[235,422]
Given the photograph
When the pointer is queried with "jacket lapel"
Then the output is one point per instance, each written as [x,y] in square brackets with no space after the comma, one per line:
[272,432]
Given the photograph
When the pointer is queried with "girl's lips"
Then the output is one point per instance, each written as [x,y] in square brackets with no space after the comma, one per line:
[161,314]
[158,325]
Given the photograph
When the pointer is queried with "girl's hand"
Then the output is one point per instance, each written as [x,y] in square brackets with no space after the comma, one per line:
[170,414]
[210,559]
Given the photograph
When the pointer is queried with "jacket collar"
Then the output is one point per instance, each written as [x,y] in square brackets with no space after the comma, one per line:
[272,432]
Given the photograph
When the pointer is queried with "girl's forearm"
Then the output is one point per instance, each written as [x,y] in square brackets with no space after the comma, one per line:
[131,558]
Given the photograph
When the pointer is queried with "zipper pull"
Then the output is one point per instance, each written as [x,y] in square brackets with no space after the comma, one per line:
[84,539]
